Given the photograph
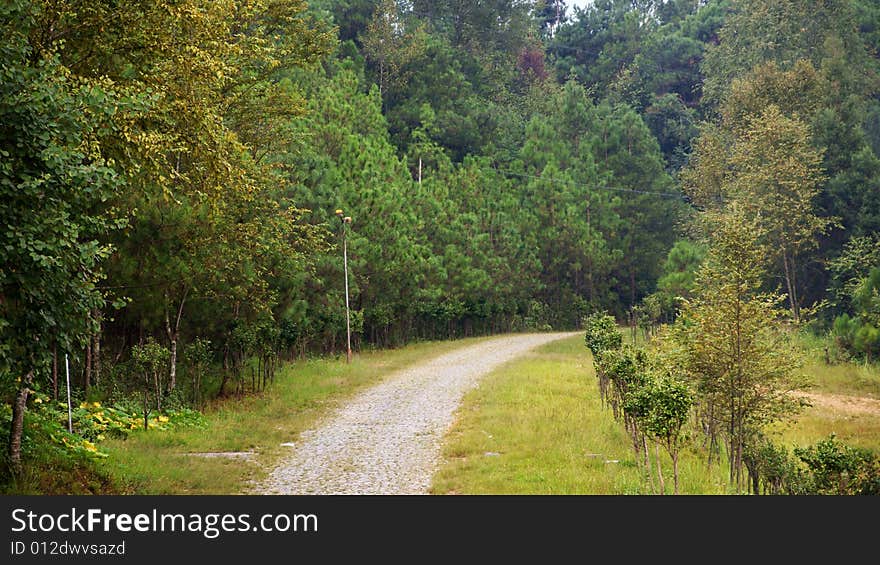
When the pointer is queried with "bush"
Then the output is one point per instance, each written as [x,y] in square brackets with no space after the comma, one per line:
[827,468]
[840,469]
[602,332]
[772,470]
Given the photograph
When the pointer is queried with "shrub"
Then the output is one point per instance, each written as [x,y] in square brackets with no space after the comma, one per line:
[840,469]
[602,332]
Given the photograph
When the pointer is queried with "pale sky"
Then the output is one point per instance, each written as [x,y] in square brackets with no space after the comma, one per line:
[572,3]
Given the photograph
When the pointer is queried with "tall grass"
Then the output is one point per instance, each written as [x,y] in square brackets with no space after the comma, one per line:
[833,371]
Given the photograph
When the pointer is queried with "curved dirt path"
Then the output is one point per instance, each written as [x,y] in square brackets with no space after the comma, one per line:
[844,404]
[386,440]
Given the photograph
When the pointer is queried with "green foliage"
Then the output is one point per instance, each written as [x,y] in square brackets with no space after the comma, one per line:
[813,61]
[675,285]
[859,334]
[866,297]
[149,360]
[389,46]
[499,26]
[838,469]
[602,333]
[661,407]
[93,422]
[621,372]
[665,409]
[727,343]
[844,331]
[602,42]
[759,31]
[860,254]
[766,163]
[642,392]
[198,356]
[867,341]
[674,124]
[46,437]
[772,470]
[54,182]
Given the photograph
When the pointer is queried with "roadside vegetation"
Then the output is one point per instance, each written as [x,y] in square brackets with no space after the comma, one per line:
[217,451]
[538,425]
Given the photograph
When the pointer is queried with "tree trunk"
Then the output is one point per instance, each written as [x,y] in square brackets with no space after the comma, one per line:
[788,267]
[731,452]
[173,332]
[712,433]
[16,427]
[739,463]
[226,370]
[172,368]
[146,403]
[55,372]
[634,435]
[794,287]
[96,347]
[632,287]
[382,80]
[674,454]
[87,383]
[756,481]
[157,391]
[660,470]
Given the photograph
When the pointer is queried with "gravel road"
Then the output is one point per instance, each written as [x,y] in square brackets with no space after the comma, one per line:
[387,439]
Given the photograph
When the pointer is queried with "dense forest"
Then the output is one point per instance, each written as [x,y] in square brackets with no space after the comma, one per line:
[171,170]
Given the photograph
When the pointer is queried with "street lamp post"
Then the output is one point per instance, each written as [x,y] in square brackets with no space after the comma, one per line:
[346,220]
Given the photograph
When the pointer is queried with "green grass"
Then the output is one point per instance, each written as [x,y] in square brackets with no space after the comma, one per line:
[537,426]
[816,424]
[157,462]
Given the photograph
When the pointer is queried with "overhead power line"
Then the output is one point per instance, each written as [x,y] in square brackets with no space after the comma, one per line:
[558,180]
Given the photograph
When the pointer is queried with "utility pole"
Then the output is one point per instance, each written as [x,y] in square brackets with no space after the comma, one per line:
[346,220]
[69,408]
